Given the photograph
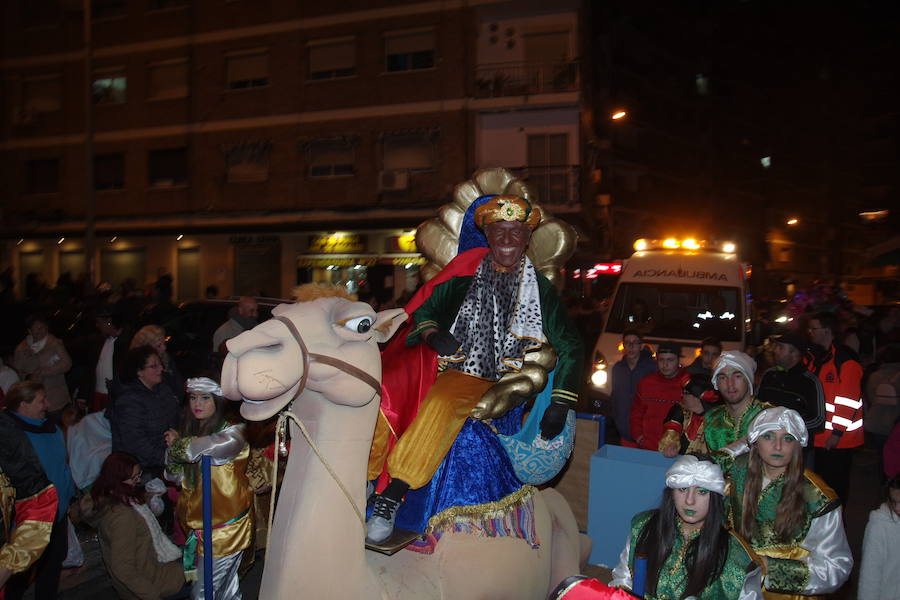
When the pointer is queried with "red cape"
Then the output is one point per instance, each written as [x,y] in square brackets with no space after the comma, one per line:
[409,371]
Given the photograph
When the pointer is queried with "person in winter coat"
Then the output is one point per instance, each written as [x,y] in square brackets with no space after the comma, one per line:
[656,394]
[140,559]
[143,410]
[155,337]
[879,576]
[42,358]
[637,362]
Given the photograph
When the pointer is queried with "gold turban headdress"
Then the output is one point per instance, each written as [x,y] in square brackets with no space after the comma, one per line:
[507,208]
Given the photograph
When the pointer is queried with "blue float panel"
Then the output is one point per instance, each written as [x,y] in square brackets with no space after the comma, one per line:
[624,481]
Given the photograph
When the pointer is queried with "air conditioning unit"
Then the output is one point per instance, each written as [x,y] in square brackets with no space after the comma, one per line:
[393,181]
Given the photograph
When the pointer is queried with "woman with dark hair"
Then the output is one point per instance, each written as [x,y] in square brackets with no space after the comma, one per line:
[155,337]
[205,431]
[140,559]
[792,519]
[143,410]
[687,549]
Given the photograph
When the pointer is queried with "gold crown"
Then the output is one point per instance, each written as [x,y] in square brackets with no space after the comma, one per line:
[507,208]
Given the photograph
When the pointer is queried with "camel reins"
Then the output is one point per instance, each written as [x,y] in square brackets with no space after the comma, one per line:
[331,361]
[287,415]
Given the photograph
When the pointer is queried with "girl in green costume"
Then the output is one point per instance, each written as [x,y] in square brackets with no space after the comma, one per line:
[688,551]
[792,519]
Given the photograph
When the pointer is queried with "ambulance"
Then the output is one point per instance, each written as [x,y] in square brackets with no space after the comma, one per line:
[682,290]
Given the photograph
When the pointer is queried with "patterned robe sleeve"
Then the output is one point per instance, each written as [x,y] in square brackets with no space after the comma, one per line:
[28,491]
[824,570]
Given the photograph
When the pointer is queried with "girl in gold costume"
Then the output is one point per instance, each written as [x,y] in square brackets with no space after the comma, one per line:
[206,432]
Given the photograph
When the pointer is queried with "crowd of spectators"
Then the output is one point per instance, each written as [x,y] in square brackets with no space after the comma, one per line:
[92,401]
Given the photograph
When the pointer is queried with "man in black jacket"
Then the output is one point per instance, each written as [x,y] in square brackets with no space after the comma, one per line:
[790,384]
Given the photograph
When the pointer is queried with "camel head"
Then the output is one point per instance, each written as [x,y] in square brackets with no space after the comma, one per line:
[265,365]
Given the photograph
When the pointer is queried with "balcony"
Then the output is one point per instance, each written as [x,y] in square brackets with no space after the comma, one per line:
[496,80]
[556,186]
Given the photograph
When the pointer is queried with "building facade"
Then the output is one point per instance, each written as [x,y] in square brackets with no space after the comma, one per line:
[256,145]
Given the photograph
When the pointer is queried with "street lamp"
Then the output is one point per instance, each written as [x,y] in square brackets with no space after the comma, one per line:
[619,114]
[793,221]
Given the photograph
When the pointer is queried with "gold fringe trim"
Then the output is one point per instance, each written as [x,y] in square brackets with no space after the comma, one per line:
[488,510]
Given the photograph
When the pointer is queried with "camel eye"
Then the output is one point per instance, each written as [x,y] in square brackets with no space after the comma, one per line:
[359,324]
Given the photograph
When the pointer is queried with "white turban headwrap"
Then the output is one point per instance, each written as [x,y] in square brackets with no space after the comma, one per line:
[689,471]
[773,419]
[203,385]
[740,361]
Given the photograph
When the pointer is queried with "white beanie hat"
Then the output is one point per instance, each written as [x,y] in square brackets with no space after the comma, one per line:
[779,417]
[740,361]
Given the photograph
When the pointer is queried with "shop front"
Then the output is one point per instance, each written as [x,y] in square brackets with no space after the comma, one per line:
[379,266]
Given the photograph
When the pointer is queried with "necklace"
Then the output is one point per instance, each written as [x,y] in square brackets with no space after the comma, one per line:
[686,538]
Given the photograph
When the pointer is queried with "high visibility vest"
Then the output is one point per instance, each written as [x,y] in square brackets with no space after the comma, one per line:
[843,401]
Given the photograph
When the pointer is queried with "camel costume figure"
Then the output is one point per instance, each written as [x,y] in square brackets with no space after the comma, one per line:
[319,358]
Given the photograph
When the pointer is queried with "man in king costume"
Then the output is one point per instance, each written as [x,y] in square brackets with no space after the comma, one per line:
[473,323]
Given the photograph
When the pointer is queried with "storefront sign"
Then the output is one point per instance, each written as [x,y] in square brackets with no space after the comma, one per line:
[408,260]
[336,244]
[402,243]
[366,261]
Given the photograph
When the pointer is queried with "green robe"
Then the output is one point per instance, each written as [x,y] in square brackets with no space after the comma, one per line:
[673,575]
[446,299]
[720,429]
[786,574]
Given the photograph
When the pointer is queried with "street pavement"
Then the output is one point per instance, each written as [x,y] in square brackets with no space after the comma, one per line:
[90,582]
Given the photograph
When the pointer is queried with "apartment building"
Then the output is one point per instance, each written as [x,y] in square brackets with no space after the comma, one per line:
[256,145]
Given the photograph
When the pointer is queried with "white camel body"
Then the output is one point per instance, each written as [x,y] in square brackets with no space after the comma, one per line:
[317,540]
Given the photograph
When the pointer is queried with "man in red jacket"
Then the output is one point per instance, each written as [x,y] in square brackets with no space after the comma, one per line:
[838,369]
[656,394]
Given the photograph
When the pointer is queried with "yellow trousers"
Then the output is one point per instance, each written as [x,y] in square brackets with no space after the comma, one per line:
[420,450]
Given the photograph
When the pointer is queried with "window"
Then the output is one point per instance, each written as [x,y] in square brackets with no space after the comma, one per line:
[548,170]
[674,311]
[546,150]
[247,70]
[409,51]
[42,176]
[107,9]
[109,86]
[167,168]
[248,162]
[168,80]
[109,171]
[330,158]
[331,60]
[42,94]
[413,152]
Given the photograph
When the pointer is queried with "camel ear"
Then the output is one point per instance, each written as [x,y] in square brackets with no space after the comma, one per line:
[387,322]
